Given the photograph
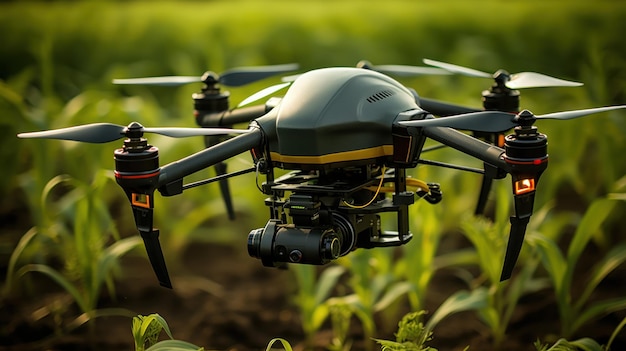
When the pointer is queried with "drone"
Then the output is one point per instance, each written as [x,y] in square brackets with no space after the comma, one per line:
[343,139]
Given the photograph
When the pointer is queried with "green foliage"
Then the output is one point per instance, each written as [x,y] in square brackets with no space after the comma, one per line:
[77,233]
[374,288]
[584,344]
[312,292]
[56,73]
[146,331]
[284,343]
[576,310]
[489,240]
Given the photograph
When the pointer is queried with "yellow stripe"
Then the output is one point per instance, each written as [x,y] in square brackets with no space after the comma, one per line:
[378,151]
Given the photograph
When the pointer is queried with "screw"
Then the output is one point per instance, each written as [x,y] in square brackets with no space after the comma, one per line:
[295,256]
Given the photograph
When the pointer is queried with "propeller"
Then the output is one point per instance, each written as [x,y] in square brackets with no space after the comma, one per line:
[512,81]
[233,77]
[403,70]
[263,93]
[496,121]
[106,132]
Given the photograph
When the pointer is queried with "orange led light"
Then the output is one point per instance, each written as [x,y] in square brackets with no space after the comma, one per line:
[524,186]
[141,200]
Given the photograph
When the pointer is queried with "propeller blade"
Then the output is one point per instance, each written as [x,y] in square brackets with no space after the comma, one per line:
[159,81]
[188,132]
[483,121]
[537,80]
[290,78]
[90,133]
[244,75]
[579,113]
[458,69]
[263,93]
[233,77]
[410,71]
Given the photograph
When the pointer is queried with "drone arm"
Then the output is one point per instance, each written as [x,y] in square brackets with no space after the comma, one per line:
[488,153]
[231,117]
[210,156]
[443,109]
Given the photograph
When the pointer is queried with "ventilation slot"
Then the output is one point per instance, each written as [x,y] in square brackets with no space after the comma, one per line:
[379,96]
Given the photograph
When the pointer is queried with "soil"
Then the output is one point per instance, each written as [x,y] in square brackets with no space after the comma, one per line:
[225,300]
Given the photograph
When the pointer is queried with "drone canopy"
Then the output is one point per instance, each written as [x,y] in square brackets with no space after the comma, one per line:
[350,119]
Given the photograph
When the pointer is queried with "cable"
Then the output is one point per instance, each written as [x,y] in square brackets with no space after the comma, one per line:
[380,185]
[415,183]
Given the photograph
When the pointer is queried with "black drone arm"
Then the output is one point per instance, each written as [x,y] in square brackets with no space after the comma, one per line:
[175,171]
[483,151]
[523,163]
[443,109]
[232,117]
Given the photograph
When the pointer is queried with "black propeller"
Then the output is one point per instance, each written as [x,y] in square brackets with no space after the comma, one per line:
[233,77]
[106,132]
[496,121]
[512,81]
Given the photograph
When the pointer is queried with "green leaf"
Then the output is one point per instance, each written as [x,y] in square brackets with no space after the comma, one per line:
[326,282]
[15,255]
[174,345]
[585,344]
[552,258]
[595,215]
[111,257]
[394,292]
[609,263]
[598,309]
[458,302]
[59,279]
[282,341]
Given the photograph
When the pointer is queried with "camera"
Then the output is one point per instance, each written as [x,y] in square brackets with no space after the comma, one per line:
[316,236]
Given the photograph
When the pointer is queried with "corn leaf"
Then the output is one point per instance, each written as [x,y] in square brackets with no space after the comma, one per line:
[174,345]
[393,293]
[552,258]
[589,225]
[285,344]
[327,281]
[609,263]
[458,302]
[598,309]
[59,279]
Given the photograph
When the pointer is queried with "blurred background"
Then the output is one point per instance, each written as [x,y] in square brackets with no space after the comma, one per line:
[67,232]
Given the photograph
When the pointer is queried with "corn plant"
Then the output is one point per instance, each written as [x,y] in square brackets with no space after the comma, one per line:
[146,331]
[584,344]
[488,238]
[312,292]
[417,265]
[411,335]
[373,285]
[577,310]
[340,316]
[78,234]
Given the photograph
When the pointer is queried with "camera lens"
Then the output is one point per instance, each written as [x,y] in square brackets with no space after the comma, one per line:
[254,242]
[345,232]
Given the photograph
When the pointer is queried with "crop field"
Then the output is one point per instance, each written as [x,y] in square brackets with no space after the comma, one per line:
[73,268]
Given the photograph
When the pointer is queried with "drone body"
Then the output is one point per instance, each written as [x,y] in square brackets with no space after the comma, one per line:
[348,120]
[347,135]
